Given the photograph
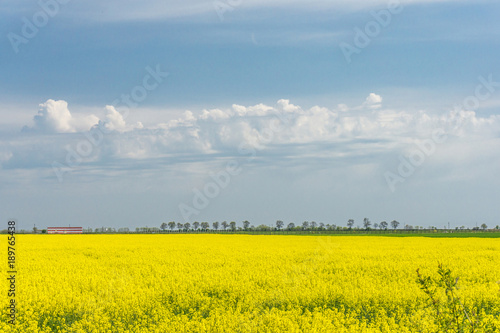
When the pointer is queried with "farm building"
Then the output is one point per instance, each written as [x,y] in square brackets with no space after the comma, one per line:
[64,230]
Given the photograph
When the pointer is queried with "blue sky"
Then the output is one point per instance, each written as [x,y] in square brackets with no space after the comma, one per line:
[325,134]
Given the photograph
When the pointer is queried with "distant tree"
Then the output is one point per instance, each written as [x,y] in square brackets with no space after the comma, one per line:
[196,225]
[163,226]
[497,227]
[313,225]
[171,225]
[224,225]
[290,226]
[35,230]
[187,226]
[263,227]
[408,227]
[180,225]
[383,225]
[350,223]
[305,225]
[279,224]
[215,225]
[375,226]
[205,225]
[484,226]
[321,226]
[246,224]
[366,223]
[232,225]
[394,224]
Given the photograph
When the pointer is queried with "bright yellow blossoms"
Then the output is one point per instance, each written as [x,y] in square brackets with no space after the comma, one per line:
[242,283]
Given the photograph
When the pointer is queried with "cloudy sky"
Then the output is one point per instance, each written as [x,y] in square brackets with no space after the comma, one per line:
[133,113]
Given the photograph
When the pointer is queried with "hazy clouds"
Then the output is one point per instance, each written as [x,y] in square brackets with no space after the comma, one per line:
[283,128]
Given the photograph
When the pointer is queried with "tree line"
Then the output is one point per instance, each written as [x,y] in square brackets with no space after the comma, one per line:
[279,225]
[304,226]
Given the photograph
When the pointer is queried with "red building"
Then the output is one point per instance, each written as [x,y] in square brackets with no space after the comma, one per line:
[64,230]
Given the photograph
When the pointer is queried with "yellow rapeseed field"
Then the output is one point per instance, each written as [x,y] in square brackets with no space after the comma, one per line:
[243,283]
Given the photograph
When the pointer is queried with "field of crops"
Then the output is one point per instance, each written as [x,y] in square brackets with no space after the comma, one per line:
[242,283]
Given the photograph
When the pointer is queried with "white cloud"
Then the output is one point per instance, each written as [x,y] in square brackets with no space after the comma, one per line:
[373,101]
[256,110]
[55,117]
[342,107]
[114,119]
[115,122]
[284,128]
[215,114]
